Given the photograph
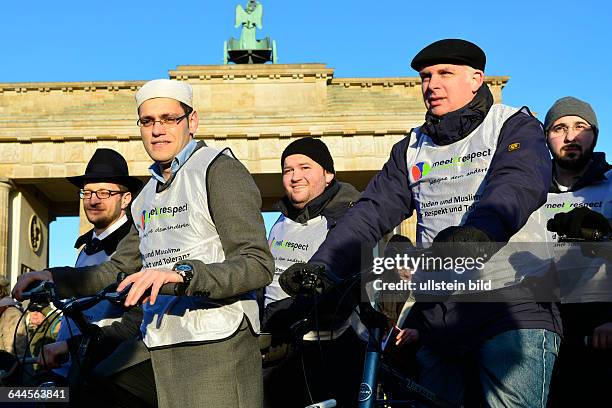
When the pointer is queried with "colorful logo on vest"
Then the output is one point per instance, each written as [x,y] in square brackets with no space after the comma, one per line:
[420,170]
[161,212]
[568,206]
[143,219]
[284,244]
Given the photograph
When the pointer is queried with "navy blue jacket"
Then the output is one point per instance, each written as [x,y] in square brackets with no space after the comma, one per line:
[516,185]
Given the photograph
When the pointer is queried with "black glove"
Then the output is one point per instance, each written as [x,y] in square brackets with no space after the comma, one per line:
[581,223]
[304,279]
[469,242]
[462,234]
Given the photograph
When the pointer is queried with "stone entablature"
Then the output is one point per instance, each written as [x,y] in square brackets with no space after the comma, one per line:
[254,109]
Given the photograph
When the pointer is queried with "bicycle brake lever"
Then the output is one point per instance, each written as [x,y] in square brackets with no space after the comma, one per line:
[112,288]
[118,297]
[43,292]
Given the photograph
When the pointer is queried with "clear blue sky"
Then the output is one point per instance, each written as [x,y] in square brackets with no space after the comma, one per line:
[549,49]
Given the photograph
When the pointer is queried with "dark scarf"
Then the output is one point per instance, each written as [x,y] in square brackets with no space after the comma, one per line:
[456,125]
[313,208]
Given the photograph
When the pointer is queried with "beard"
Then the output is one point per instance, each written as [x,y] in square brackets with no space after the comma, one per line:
[575,160]
[108,215]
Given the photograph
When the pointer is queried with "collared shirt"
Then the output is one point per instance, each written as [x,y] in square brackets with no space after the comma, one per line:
[177,162]
[562,188]
[112,228]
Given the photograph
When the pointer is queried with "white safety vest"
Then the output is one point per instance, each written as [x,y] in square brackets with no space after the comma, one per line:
[447,183]
[90,260]
[291,242]
[175,225]
[102,314]
[582,279]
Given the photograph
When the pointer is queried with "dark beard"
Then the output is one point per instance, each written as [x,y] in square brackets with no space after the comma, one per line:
[574,163]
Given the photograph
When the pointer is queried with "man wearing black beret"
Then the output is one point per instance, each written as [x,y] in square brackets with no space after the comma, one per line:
[474,172]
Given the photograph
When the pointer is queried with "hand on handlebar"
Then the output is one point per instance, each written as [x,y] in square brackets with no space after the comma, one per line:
[304,279]
[463,242]
[28,279]
[580,223]
[145,279]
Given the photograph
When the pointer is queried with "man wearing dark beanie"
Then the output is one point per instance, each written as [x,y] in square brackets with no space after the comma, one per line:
[581,181]
[474,172]
[313,148]
[331,354]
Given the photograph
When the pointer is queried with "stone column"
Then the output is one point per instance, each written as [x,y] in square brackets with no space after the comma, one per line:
[5,189]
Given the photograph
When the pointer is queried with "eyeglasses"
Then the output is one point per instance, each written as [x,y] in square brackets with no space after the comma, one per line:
[167,122]
[101,194]
[563,130]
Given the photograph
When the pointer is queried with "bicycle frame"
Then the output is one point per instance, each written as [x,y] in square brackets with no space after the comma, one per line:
[367,397]
[369,384]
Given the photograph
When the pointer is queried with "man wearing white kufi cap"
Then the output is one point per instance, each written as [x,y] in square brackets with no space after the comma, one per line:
[198,227]
[165,88]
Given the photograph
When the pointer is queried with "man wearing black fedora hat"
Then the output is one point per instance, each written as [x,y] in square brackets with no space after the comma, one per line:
[106,190]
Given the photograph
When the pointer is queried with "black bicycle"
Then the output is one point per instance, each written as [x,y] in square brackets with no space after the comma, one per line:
[83,350]
[81,355]
[379,375]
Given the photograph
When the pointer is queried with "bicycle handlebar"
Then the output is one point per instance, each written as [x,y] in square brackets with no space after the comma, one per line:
[45,292]
[596,236]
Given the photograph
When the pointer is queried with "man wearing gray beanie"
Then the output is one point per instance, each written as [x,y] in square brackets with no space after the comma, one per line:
[571,128]
[581,181]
